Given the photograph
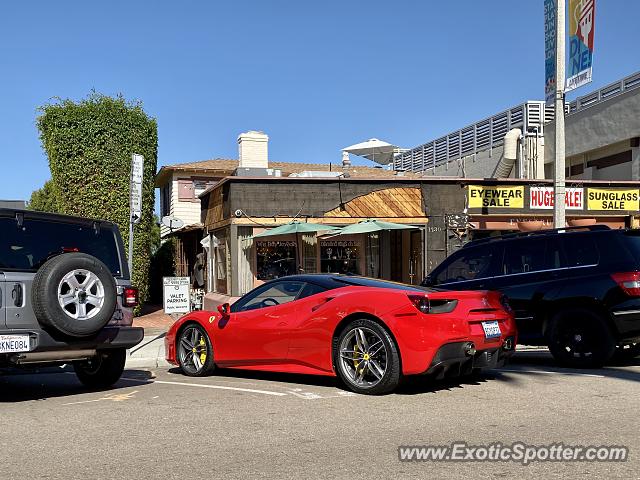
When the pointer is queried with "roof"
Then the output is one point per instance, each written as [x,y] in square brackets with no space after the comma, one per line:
[224,167]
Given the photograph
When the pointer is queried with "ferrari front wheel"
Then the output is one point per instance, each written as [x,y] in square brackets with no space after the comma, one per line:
[366,358]
[195,353]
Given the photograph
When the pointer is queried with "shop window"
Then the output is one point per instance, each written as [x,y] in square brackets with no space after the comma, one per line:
[310,251]
[275,259]
[221,262]
[340,256]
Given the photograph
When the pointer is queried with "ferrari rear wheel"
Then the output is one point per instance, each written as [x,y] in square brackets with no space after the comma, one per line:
[366,358]
[195,353]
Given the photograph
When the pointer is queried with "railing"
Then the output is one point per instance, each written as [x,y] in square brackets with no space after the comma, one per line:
[483,135]
[489,133]
[605,93]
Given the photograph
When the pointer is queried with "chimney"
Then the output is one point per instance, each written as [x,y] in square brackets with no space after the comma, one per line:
[253,150]
[346,161]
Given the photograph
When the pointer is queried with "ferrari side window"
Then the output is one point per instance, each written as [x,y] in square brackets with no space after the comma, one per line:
[272,294]
[311,289]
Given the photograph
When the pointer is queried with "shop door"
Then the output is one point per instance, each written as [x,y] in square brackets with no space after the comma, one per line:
[396,255]
[416,274]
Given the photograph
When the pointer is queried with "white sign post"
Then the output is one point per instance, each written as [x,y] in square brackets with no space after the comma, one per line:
[176,295]
[135,200]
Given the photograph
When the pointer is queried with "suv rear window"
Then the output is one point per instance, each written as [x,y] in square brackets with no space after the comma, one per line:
[580,249]
[28,247]
[632,241]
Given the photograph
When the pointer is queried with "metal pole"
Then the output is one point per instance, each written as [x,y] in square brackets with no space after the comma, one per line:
[559,161]
[130,247]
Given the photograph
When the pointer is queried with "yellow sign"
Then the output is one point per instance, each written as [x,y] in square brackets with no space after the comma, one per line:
[608,199]
[481,196]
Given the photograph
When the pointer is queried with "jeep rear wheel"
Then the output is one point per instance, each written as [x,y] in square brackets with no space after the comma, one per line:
[75,294]
[580,338]
[103,370]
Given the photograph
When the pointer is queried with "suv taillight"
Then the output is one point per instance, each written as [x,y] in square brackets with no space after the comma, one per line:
[629,282]
[421,302]
[130,297]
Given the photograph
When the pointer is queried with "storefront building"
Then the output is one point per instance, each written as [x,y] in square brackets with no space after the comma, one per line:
[442,213]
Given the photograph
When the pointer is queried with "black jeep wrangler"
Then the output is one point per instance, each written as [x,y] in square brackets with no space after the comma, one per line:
[65,295]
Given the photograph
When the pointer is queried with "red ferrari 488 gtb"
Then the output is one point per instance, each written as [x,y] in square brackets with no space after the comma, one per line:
[368,332]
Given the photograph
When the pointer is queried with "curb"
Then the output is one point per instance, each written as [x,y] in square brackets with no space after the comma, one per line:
[149,353]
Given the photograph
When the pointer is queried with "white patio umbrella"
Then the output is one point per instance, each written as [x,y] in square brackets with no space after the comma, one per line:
[373,149]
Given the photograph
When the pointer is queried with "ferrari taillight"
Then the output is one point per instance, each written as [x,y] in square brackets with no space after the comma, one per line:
[629,282]
[421,302]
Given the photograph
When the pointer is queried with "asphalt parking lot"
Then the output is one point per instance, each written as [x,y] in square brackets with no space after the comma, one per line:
[160,424]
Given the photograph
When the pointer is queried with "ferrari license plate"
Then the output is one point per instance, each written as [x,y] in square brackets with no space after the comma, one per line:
[491,329]
[14,343]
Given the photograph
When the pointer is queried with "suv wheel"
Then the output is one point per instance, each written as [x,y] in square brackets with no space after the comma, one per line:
[103,370]
[75,294]
[580,338]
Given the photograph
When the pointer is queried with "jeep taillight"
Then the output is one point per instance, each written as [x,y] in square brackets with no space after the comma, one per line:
[130,297]
[629,282]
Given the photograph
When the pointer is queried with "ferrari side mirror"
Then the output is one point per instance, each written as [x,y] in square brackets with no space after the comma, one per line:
[224,309]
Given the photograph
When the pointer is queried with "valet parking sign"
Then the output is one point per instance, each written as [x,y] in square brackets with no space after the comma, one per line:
[175,293]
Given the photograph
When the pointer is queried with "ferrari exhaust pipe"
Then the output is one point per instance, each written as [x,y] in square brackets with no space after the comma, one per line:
[469,349]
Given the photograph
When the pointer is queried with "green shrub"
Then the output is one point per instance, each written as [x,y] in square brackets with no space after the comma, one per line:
[44,199]
[89,145]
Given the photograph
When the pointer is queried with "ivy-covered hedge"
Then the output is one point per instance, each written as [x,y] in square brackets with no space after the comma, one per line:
[44,199]
[89,144]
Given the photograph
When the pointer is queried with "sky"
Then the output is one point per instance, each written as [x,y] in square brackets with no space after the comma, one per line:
[315,76]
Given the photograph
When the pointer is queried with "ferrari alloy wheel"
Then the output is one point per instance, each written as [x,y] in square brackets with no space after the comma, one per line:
[195,353]
[366,358]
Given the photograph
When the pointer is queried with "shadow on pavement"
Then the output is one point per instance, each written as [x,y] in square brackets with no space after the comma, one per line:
[53,382]
[527,362]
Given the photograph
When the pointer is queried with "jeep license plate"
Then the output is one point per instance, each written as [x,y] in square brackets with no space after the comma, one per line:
[14,343]
[491,329]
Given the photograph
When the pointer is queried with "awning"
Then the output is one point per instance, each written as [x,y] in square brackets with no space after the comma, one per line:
[295,227]
[372,225]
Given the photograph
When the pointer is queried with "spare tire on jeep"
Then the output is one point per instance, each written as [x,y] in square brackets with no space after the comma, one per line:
[74,293]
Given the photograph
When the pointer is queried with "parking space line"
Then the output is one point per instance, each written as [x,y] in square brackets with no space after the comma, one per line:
[200,385]
[551,372]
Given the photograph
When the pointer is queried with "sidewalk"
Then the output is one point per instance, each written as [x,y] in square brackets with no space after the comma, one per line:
[150,352]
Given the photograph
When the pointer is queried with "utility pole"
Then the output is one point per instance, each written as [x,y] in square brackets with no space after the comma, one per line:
[559,161]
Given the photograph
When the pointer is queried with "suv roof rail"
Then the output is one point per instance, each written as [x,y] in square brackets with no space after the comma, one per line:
[507,236]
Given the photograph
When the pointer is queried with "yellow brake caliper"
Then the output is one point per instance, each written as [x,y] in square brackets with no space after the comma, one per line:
[356,362]
[203,350]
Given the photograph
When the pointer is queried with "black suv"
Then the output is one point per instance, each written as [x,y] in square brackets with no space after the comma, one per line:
[576,290]
[65,295]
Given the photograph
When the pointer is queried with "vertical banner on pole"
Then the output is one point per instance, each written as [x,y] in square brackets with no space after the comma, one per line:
[581,26]
[550,51]
[135,200]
